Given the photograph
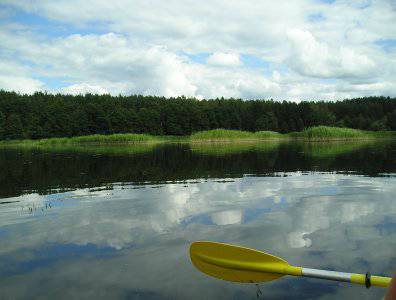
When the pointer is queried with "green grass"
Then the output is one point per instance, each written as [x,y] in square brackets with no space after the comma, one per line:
[217,135]
[337,133]
[221,134]
[324,132]
[111,149]
[232,135]
[312,133]
[268,135]
[126,138]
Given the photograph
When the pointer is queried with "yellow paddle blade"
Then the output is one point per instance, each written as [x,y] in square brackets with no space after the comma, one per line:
[238,264]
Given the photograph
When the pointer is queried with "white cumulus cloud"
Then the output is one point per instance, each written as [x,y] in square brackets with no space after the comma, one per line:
[310,57]
[224,59]
[83,88]
[310,49]
[24,85]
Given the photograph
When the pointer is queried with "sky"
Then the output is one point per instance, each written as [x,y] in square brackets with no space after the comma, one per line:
[256,49]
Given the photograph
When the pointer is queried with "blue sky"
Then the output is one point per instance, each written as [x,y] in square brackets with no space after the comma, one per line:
[300,50]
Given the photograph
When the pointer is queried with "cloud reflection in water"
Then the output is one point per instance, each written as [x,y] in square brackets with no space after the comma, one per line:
[317,220]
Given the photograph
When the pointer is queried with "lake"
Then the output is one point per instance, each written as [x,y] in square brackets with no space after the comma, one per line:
[116,222]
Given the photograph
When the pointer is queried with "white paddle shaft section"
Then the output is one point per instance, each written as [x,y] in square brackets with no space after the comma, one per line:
[329,275]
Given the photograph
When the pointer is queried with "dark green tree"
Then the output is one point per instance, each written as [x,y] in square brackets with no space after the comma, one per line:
[44,115]
[392,120]
[2,125]
[267,121]
[379,124]
[14,127]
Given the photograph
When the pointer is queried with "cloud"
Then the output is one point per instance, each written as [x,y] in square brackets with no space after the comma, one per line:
[317,59]
[82,89]
[115,64]
[128,49]
[20,84]
[17,77]
[227,217]
[329,219]
[224,59]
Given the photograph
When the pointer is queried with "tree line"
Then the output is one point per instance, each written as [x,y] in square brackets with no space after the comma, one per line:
[43,115]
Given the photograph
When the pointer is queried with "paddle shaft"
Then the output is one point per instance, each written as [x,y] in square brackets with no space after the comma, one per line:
[298,271]
[346,277]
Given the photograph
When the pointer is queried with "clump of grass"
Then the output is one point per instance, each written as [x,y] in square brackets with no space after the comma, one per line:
[268,135]
[221,135]
[232,135]
[126,138]
[326,132]
[217,135]
[113,138]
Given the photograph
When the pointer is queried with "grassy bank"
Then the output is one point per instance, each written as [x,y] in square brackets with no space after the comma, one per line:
[126,138]
[232,135]
[217,135]
[312,133]
[337,133]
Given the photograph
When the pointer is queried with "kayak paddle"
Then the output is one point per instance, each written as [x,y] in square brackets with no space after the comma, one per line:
[239,264]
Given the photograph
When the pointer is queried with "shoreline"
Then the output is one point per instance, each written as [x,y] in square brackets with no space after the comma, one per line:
[217,136]
[33,143]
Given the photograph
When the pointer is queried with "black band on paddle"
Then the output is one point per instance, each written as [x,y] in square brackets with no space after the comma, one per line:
[368,280]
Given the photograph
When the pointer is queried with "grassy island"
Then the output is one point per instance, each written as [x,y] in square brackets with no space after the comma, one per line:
[232,135]
[337,133]
[318,133]
[312,133]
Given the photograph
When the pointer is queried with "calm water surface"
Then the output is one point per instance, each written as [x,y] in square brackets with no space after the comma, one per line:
[116,222]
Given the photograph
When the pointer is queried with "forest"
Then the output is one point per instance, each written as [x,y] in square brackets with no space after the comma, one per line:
[44,115]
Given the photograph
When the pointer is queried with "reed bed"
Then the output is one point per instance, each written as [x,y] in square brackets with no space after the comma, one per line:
[337,133]
[95,139]
[319,133]
[221,134]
